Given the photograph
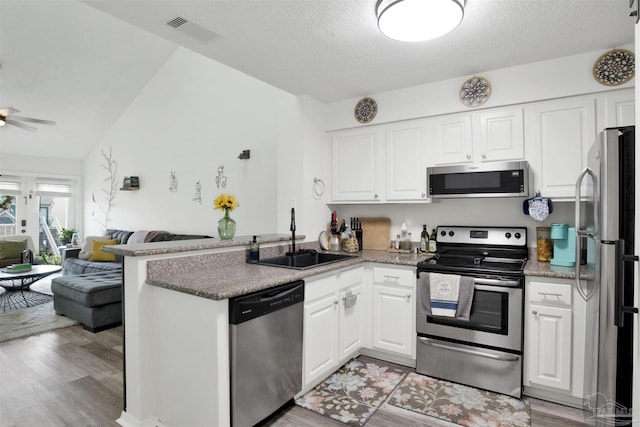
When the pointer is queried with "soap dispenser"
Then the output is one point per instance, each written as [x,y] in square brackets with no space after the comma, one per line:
[254,250]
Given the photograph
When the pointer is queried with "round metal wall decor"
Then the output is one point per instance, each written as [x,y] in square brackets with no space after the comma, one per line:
[366,109]
[615,67]
[475,91]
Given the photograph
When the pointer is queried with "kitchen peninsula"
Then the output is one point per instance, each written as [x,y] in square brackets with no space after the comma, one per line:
[176,314]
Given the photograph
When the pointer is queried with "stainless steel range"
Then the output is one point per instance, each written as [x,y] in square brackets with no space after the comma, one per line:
[484,351]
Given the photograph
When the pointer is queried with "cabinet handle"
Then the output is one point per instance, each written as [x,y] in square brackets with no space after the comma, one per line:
[544,294]
[375,196]
[468,156]
[484,156]
[424,195]
[408,297]
[335,303]
[391,277]
[534,312]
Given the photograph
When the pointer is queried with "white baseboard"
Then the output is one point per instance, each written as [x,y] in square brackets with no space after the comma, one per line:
[127,420]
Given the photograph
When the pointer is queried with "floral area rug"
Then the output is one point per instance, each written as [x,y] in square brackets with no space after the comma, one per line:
[460,404]
[353,393]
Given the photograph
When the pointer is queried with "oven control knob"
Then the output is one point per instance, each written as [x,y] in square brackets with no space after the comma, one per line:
[507,235]
[443,233]
[451,233]
[518,235]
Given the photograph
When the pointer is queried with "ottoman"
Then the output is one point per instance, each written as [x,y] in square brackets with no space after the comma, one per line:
[94,300]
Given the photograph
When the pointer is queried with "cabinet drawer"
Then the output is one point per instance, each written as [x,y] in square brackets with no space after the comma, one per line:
[393,276]
[351,277]
[549,293]
[316,288]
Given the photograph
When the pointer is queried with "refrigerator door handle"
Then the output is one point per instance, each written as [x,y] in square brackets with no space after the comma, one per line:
[620,309]
[580,233]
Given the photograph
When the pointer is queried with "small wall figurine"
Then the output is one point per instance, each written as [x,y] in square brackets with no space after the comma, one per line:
[173,182]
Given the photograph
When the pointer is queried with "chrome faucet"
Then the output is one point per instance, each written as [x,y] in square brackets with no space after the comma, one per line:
[293,230]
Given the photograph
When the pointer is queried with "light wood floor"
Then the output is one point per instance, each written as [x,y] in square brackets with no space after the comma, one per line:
[68,377]
[71,377]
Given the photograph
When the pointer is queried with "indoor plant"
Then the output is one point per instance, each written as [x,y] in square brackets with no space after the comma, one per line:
[65,234]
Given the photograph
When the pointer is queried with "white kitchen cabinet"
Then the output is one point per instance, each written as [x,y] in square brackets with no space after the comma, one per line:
[452,141]
[333,332]
[406,164]
[495,134]
[559,134]
[320,328]
[560,341]
[393,310]
[379,164]
[499,134]
[620,108]
[549,339]
[351,321]
[357,165]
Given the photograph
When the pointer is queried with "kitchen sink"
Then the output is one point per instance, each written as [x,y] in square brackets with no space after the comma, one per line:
[302,260]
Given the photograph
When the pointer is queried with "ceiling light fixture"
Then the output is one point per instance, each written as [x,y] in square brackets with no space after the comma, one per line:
[418,20]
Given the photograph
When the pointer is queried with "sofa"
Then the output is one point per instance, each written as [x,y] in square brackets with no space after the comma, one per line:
[90,289]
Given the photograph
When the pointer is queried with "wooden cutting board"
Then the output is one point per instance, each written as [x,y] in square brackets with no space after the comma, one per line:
[376,233]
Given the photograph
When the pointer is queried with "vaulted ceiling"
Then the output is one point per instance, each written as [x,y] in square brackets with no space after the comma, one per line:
[81,63]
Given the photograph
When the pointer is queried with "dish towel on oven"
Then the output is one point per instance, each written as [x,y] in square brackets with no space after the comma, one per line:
[447,295]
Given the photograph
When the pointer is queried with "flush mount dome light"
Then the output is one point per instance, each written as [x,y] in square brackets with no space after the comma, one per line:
[418,20]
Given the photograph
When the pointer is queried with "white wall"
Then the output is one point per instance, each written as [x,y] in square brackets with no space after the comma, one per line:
[193,116]
[557,78]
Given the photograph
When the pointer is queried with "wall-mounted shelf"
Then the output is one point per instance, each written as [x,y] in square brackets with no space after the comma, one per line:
[130,183]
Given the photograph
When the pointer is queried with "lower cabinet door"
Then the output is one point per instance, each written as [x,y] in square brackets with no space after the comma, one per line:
[320,338]
[393,320]
[351,321]
[548,346]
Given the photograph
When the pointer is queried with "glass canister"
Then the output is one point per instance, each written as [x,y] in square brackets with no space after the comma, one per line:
[544,243]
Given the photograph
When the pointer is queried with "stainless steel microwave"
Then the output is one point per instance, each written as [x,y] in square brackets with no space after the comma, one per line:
[508,179]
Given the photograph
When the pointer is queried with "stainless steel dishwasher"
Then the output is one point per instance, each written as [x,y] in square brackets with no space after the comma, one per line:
[265,332]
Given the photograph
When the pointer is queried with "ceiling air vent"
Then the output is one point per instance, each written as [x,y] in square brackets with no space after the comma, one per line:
[193,29]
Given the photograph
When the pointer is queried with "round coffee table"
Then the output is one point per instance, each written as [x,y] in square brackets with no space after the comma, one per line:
[16,285]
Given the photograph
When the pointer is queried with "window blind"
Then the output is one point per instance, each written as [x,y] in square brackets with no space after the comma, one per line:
[10,185]
[54,188]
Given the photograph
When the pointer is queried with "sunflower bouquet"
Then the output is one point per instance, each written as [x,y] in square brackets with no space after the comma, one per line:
[225,202]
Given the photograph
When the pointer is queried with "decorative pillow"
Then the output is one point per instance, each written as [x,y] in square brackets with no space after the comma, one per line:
[12,250]
[97,254]
[85,252]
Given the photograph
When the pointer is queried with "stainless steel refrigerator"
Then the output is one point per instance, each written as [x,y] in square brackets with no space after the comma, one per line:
[605,214]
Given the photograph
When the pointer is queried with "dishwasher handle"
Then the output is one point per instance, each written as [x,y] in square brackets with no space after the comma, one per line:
[247,307]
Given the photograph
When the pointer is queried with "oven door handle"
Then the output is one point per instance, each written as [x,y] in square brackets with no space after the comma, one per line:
[452,347]
[497,282]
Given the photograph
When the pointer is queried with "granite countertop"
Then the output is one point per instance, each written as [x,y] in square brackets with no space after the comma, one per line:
[226,275]
[176,246]
[545,269]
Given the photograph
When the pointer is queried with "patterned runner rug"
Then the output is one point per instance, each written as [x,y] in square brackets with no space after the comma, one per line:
[459,404]
[353,393]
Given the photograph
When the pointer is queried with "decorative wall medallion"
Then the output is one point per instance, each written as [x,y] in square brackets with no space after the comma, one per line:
[615,67]
[475,91]
[366,109]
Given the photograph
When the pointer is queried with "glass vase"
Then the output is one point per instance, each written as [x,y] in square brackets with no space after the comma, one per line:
[226,226]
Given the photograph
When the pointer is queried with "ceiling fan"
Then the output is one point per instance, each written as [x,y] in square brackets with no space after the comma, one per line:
[7,117]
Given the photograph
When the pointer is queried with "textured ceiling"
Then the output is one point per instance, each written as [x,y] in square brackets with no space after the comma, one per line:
[332,49]
[82,63]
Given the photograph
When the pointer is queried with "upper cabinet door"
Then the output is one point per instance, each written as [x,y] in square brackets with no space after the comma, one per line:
[500,134]
[406,161]
[453,140]
[621,109]
[356,157]
[559,134]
